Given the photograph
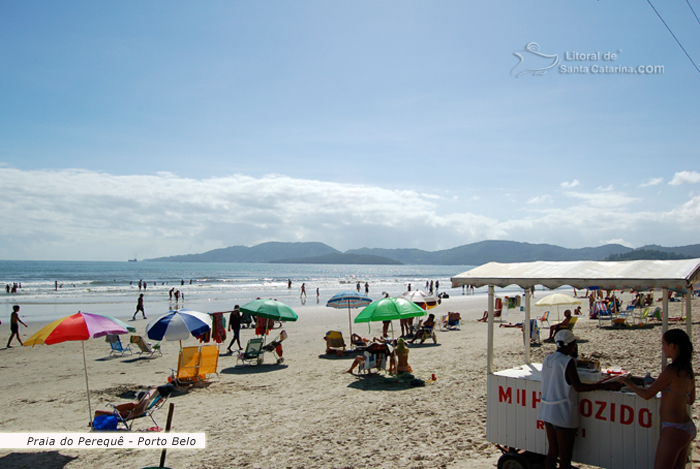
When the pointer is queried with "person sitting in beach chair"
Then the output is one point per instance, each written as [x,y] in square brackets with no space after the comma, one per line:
[453,320]
[147,402]
[375,356]
[358,341]
[557,327]
[425,329]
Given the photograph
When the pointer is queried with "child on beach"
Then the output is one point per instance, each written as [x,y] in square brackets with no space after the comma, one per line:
[14,327]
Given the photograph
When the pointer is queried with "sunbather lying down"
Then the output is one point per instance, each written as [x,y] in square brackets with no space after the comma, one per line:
[143,400]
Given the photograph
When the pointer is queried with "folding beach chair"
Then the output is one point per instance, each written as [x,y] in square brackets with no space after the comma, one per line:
[116,344]
[334,342]
[147,406]
[453,321]
[209,362]
[145,347]
[253,352]
[544,318]
[376,357]
[187,367]
[570,325]
[534,332]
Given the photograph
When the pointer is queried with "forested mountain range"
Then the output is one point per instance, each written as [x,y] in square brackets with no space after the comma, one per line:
[468,254]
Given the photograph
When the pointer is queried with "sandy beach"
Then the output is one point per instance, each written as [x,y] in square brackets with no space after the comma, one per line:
[306,412]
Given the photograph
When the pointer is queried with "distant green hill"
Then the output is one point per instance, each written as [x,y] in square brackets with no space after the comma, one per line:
[495,251]
[468,254]
[340,259]
[264,252]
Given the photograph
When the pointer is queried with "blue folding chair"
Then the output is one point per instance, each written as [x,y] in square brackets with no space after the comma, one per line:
[117,347]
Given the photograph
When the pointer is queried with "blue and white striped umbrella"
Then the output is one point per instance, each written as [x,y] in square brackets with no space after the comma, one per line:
[178,325]
[348,299]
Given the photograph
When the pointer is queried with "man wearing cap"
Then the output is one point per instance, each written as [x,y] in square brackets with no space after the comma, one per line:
[559,405]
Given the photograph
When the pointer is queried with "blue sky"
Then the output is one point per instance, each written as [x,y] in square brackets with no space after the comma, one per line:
[160,128]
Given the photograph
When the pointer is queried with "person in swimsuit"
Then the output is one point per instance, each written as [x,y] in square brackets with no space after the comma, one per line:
[14,325]
[677,385]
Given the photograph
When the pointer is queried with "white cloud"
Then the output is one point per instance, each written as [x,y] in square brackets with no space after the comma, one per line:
[610,188]
[78,214]
[570,185]
[685,177]
[618,241]
[652,182]
[542,199]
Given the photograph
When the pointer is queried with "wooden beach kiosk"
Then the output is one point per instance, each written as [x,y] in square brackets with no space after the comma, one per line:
[617,429]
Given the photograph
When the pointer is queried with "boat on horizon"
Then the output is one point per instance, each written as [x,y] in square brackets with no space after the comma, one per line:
[133,260]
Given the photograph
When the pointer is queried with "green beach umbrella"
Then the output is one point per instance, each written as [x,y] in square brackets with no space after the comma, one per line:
[388,309]
[270,309]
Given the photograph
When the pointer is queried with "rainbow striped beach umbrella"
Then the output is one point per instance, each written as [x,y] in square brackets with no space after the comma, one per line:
[80,326]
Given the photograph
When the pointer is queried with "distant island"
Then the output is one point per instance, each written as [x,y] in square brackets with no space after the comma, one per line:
[468,254]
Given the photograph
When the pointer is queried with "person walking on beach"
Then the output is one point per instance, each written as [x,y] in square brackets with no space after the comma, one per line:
[366,288]
[139,307]
[234,324]
[171,293]
[14,325]
[303,290]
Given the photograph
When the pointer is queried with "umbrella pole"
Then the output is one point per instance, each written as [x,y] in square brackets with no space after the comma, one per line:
[87,386]
[350,323]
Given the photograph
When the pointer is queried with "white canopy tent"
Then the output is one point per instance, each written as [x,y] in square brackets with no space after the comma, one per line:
[677,275]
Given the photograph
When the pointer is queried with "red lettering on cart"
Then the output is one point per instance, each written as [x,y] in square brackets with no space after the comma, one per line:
[612,411]
[586,408]
[505,395]
[523,401]
[535,399]
[540,425]
[601,407]
[626,414]
[645,418]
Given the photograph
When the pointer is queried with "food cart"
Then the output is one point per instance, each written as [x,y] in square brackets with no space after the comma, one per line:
[617,429]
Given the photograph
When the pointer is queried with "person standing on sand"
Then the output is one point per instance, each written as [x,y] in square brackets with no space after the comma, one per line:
[677,386]
[139,307]
[558,408]
[234,324]
[14,326]
[171,293]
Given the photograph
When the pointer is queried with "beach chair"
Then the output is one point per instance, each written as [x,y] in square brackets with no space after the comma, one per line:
[444,319]
[376,357]
[253,352]
[147,406]
[145,347]
[334,342]
[209,362]
[188,362]
[544,318]
[602,312]
[534,333]
[453,321]
[427,332]
[116,344]
[570,325]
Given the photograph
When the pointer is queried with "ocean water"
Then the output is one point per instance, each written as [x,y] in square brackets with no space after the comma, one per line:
[112,287]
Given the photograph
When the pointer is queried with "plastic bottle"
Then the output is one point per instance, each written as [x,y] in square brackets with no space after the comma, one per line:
[648,379]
